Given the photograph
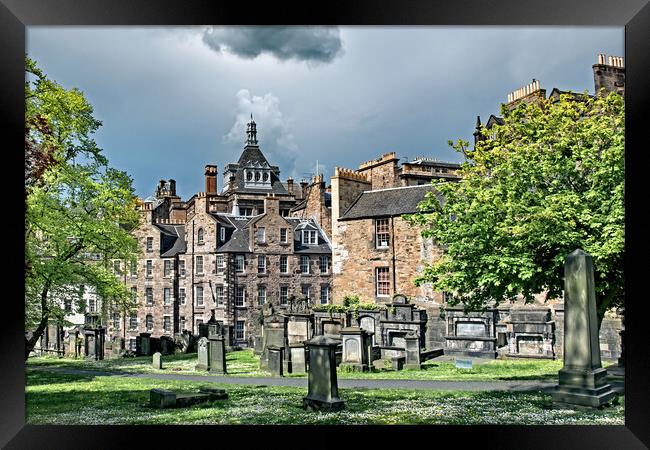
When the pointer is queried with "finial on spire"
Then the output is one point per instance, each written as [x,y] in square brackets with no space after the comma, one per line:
[251,132]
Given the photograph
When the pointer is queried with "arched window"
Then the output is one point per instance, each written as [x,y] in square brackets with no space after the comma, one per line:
[257,176]
[149,322]
[249,176]
[199,236]
[265,177]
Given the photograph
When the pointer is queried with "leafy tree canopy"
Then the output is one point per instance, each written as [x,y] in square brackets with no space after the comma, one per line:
[77,207]
[546,182]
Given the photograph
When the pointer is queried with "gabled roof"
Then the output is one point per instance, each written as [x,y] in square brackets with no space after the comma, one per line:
[494,120]
[172,240]
[388,202]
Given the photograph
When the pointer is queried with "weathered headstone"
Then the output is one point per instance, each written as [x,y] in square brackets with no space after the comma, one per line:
[217,354]
[323,391]
[582,380]
[203,354]
[145,344]
[274,335]
[157,361]
[275,360]
[298,359]
[355,348]
[412,351]
[257,345]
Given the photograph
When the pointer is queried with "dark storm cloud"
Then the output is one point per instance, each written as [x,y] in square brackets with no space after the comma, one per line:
[310,44]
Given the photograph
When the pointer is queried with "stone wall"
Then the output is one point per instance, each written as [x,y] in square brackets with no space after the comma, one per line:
[355,259]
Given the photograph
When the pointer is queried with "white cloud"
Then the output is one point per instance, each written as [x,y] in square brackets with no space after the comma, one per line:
[276,140]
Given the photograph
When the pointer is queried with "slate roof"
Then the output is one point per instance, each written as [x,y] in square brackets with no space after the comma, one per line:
[237,235]
[494,120]
[388,202]
[172,240]
[239,240]
[420,162]
[253,155]
[323,245]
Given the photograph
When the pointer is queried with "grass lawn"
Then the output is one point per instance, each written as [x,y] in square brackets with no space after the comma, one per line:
[54,398]
[245,363]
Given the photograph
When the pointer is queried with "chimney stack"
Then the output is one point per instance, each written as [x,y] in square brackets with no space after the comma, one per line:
[609,74]
[210,179]
[290,185]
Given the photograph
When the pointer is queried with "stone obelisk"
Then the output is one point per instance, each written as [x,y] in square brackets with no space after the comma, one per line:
[582,380]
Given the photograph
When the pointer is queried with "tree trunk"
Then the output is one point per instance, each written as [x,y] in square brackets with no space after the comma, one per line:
[45,316]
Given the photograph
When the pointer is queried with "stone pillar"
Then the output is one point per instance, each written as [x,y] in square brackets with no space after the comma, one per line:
[322,391]
[355,348]
[217,354]
[582,379]
[412,351]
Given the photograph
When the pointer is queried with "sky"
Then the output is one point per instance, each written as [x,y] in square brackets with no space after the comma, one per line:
[173,99]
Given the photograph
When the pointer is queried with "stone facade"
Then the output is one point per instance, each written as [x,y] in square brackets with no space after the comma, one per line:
[229,252]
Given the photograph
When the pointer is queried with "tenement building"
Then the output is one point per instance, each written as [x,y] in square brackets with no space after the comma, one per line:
[224,253]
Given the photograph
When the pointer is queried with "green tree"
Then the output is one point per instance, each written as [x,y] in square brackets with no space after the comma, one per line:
[76,206]
[547,181]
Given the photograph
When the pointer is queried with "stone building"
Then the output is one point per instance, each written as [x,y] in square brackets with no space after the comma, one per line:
[226,253]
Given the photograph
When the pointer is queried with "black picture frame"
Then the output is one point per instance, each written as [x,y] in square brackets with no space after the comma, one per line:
[634,15]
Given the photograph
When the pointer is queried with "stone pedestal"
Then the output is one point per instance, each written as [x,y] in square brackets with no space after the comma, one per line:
[355,348]
[203,353]
[412,360]
[323,391]
[582,379]
[217,354]
[276,360]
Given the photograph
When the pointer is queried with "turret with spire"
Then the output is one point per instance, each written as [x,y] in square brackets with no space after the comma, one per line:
[251,132]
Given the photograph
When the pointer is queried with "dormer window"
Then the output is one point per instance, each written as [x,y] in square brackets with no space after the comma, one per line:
[222,234]
[309,237]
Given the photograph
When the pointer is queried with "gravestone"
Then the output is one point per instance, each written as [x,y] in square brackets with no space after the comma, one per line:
[257,345]
[412,351]
[274,335]
[275,360]
[322,391]
[145,344]
[355,348]
[298,360]
[203,354]
[157,361]
[582,380]
[217,354]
